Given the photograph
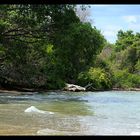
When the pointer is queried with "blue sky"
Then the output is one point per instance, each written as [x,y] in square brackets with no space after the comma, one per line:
[111,18]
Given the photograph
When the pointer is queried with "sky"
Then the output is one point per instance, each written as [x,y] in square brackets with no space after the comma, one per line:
[111,18]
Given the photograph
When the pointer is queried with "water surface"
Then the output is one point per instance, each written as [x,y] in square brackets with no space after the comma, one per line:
[75,113]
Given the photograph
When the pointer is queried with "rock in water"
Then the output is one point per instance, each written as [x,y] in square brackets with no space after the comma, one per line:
[34,109]
[72,87]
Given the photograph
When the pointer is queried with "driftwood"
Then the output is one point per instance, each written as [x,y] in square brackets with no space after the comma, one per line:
[90,87]
[72,87]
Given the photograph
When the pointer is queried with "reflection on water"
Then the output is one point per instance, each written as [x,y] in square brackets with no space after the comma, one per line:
[78,113]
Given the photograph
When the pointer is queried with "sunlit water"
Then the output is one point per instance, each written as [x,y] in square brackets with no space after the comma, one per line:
[75,113]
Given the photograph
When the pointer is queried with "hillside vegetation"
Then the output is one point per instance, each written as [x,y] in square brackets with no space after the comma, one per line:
[47,46]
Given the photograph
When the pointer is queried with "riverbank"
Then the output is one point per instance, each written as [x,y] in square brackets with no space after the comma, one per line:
[28,91]
[35,91]
[15,92]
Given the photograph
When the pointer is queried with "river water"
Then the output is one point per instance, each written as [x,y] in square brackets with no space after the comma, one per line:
[75,113]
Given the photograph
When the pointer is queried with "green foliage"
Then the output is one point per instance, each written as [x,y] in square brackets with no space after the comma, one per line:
[130,59]
[124,60]
[125,39]
[45,46]
[97,77]
[137,67]
[124,79]
[81,43]
[26,52]
[106,51]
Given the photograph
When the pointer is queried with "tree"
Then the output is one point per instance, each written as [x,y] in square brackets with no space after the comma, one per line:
[25,30]
[124,60]
[83,14]
[125,39]
[77,48]
[96,77]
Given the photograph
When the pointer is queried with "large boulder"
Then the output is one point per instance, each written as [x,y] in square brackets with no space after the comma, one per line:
[72,87]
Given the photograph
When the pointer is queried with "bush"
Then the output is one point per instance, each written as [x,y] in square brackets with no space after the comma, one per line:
[97,77]
[124,79]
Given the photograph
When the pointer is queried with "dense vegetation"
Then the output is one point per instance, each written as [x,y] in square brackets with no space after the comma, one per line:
[46,46]
[123,59]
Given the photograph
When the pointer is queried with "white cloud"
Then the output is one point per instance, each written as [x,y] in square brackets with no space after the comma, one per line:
[134,27]
[133,22]
[112,27]
[131,18]
[110,35]
[110,32]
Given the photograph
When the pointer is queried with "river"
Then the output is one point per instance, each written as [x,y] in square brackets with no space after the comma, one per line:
[73,113]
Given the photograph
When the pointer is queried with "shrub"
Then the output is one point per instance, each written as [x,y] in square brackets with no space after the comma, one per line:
[97,77]
[124,79]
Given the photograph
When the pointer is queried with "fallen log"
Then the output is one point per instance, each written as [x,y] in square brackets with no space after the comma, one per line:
[72,87]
